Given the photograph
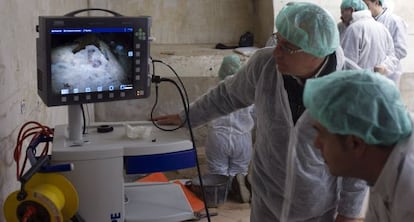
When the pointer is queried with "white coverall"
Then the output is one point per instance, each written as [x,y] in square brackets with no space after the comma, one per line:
[317,193]
[368,43]
[341,28]
[398,30]
[391,198]
[229,143]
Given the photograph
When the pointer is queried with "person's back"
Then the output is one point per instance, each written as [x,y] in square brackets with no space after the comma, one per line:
[229,140]
[368,42]
[398,30]
[229,144]
[396,27]
[228,148]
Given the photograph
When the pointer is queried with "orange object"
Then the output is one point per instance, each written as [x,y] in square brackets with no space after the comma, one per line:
[154,177]
[196,204]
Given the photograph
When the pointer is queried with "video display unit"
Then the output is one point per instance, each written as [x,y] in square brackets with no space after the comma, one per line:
[92,59]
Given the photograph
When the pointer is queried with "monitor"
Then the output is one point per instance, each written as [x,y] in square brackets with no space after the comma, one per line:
[92,59]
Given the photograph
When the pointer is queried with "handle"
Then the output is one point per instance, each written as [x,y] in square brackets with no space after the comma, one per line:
[188,183]
[72,14]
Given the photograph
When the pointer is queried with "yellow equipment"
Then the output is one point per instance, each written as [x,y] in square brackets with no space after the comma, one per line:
[50,197]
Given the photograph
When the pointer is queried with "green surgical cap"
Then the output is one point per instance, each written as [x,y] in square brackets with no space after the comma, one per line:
[357,5]
[309,27]
[229,66]
[360,103]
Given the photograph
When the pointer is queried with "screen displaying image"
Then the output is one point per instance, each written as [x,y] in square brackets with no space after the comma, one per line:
[85,60]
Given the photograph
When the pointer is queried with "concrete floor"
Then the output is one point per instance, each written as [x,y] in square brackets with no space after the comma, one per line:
[230,211]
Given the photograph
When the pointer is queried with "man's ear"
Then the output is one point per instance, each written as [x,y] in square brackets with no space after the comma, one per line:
[357,145]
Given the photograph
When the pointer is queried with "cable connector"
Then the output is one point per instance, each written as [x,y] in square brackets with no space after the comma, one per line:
[156,79]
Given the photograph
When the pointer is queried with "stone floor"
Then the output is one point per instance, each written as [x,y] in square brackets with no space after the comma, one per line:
[230,211]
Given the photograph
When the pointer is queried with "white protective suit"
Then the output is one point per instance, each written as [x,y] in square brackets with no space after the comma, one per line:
[368,43]
[341,28]
[229,142]
[316,194]
[392,196]
[398,30]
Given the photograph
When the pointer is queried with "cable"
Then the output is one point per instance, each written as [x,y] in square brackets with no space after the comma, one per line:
[35,132]
[89,119]
[156,101]
[186,105]
[83,119]
[29,213]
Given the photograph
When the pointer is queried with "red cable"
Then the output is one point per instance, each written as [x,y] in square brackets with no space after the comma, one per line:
[30,211]
[35,132]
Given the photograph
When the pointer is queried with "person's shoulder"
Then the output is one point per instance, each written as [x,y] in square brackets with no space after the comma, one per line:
[262,55]
[355,27]
[265,51]
[366,25]
[391,17]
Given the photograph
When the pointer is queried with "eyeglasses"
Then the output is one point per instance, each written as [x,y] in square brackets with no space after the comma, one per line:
[283,47]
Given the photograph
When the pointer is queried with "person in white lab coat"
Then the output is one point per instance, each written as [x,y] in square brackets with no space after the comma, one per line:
[290,181]
[229,139]
[365,131]
[366,41]
[347,8]
[341,28]
[397,28]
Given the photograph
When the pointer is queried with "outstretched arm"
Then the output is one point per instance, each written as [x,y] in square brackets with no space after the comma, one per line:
[173,119]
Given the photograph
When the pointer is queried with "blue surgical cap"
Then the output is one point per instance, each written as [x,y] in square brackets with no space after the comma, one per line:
[360,103]
[229,66]
[357,5]
[309,27]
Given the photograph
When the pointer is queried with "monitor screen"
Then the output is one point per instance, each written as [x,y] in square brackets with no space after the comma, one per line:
[92,59]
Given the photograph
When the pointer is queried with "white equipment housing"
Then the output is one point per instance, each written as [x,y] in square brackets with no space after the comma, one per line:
[103,160]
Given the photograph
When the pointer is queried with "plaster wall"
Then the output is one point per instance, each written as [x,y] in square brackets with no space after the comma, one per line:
[18,95]
[190,22]
[185,32]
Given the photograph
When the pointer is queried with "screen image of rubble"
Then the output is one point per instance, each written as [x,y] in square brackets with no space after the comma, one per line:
[91,62]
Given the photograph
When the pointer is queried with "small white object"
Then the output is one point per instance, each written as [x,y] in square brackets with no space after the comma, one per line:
[137,132]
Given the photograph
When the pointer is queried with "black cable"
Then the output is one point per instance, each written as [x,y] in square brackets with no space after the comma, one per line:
[156,101]
[186,105]
[155,105]
[83,119]
[89,119]
[77,218]
[197,162]
[179,79]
